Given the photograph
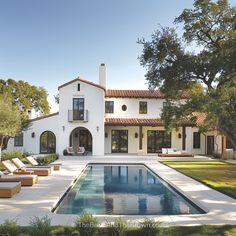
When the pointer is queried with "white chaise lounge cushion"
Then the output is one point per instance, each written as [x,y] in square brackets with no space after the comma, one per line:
[32,161]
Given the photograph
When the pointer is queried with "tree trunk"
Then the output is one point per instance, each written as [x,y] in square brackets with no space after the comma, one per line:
[5,142]
[1,143]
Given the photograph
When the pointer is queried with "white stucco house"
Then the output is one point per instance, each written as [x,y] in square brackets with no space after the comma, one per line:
[106,121]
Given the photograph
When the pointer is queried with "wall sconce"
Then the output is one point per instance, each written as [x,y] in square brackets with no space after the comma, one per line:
[33,134]
[179,135]
[97,128]
[106,135]
[136,135]
[63,128]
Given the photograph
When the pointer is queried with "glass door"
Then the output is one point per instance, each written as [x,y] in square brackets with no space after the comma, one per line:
[119,141]
[78,108]
[156,140]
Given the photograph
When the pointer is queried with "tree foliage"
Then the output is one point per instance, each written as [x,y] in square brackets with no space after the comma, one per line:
[199,65]
[12,120]
[16,97]
[25,96]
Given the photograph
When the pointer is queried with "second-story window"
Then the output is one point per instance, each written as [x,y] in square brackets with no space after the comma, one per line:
[166,104]
[142,107]
[78,108]
[109,106]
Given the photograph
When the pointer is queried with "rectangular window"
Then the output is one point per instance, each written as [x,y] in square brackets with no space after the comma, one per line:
[109,106]
[78,108]
[229,145]
[18,140]
[165,104]
[78,87]
[196,140]
[142,107]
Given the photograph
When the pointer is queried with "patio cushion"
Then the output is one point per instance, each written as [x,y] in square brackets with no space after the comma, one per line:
[26,180]
[9,189]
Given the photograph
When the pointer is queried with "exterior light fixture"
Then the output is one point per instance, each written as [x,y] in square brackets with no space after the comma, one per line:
[63,128]
[136,135]
[97,128]
[106,135]
[33,134]
[179,135]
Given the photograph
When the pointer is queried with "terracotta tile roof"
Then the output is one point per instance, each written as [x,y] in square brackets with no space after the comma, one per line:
[133,121]
[133,93]
[46,116]
[200,117]
[83,81]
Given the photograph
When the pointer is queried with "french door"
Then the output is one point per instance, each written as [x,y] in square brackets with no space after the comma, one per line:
[119,141]
[210,145]
[78,108]
[157,139]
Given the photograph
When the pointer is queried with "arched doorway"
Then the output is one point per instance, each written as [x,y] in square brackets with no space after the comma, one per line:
[81,137]
[47,142]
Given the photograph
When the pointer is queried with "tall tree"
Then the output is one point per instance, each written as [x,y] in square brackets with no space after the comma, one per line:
[12,121]
[19,96]
[200,64]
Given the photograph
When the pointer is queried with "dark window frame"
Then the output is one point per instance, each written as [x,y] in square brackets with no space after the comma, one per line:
[78,112]
[19,140]
[142,107]
[196,140]
[49,149]
[158,137]
[109,108]
[165,104]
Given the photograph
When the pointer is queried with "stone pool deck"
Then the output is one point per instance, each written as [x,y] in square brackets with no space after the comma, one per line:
[39,200]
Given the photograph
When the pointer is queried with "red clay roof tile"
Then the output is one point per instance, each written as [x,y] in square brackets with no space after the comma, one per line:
[133,93]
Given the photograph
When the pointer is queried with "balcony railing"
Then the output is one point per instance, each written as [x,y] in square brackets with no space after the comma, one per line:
[75,115]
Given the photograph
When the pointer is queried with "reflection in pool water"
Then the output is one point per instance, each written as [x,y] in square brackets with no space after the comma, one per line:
[123,190]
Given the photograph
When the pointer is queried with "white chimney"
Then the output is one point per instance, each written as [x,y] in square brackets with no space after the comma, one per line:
[102,75]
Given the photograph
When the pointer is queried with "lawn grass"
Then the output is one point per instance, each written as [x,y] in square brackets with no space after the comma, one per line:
[215,174]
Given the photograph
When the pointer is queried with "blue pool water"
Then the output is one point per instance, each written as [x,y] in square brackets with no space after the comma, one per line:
[123,190]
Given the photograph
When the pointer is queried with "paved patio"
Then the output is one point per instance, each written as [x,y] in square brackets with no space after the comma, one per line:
[39,200]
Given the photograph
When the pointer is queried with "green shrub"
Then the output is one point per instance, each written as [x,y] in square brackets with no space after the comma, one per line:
[47,159]
[150,227]
[40,227]
[118,228]
[231,232]
[87,225]
[7,155]
[9,228]
[60,230]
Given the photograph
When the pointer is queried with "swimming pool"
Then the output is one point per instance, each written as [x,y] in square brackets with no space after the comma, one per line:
[123,190]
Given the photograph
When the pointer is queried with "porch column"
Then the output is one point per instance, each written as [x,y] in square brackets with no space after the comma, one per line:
[140,137]
[183,137]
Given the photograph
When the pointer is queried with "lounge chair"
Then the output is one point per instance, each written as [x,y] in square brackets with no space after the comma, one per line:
[25,180]
[9,189]
[41,171]
[12,168]
[70,151]
[34,163]
[81,151]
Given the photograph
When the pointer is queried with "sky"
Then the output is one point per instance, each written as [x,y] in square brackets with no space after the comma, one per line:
[50,42]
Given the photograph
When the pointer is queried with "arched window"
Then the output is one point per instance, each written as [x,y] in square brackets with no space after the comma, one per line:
[47,142]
